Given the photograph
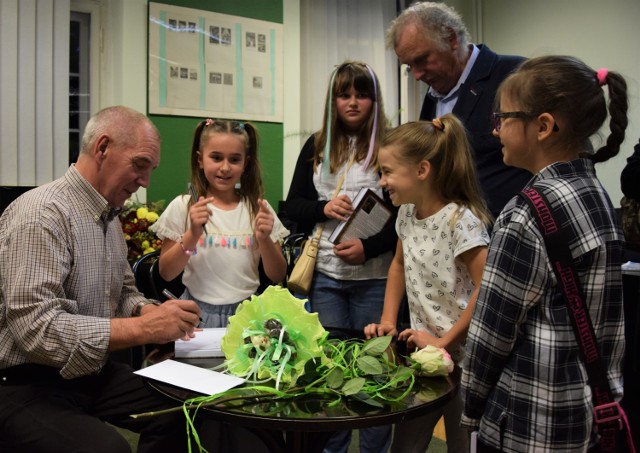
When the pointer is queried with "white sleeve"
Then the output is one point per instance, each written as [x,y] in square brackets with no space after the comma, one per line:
[279,232]
[173,222]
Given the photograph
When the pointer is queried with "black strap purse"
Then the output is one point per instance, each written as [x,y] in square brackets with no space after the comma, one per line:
[610,419]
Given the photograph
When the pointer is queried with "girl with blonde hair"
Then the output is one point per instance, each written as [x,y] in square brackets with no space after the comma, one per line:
[428,170]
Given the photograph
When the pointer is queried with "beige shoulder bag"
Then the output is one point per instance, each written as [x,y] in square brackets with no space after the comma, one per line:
[302,274]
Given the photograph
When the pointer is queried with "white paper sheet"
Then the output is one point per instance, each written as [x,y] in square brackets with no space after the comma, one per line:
[205,344]
[190,377]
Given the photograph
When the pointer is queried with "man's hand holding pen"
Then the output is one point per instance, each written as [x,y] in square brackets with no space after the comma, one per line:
[170,296]
[172,320]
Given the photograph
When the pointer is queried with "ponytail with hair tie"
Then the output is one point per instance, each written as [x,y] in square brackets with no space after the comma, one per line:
[438,124]
[601,76]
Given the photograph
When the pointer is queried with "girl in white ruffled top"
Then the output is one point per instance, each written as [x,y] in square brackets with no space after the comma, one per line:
[219,240]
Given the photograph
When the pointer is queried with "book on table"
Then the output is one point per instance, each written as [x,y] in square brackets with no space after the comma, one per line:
[369,217]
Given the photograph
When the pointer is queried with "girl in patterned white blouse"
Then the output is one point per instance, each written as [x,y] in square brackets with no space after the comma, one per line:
[219,239]
[428,170]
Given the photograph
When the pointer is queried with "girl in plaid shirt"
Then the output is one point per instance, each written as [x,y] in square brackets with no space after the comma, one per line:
[524,382]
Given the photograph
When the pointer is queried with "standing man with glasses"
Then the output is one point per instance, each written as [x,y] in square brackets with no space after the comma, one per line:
[463,78]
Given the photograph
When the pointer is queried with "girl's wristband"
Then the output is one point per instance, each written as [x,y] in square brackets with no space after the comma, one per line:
[188,252]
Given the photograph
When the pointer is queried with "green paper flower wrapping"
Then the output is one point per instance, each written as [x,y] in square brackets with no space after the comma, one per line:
[433,361]
[272,337]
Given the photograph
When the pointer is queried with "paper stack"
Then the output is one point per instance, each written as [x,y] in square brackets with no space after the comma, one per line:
[205,344]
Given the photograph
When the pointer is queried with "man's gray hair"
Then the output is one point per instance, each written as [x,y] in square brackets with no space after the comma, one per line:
[119,122]
[436,19]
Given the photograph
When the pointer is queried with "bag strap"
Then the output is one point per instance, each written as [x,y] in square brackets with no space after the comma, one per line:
[609,416]
[335,193]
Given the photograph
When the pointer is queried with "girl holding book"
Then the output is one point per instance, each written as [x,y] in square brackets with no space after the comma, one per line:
[428,170]
[350,277]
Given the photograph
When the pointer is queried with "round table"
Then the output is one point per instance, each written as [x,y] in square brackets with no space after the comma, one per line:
[304,424]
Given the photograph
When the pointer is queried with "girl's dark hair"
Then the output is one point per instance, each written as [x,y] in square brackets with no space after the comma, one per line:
[362,78]
[251,188]
[568,89]
[443,142]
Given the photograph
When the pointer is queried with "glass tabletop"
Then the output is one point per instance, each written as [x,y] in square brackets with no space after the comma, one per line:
[316,413]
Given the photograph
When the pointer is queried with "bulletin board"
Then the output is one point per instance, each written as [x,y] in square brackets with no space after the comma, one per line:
[208,64]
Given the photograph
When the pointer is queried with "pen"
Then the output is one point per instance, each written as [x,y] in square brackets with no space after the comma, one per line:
[194,195]
[170,295]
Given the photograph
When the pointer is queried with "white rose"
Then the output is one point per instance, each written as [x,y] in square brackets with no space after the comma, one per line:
[433,361]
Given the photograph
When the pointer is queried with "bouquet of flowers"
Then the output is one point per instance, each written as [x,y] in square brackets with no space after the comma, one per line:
[272,337]
[136,218]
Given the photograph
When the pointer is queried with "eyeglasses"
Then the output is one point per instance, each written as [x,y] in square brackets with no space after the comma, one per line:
[497,117]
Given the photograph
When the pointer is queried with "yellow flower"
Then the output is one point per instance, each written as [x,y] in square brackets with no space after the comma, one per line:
[136,218]
[152,217]
[141,213]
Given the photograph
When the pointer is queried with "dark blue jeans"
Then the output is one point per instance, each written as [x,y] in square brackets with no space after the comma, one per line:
[350,304]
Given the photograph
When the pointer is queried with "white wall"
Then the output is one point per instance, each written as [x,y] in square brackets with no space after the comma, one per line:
[603,34]
[118,55]
[293,141]
[123,67]
[118,52]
